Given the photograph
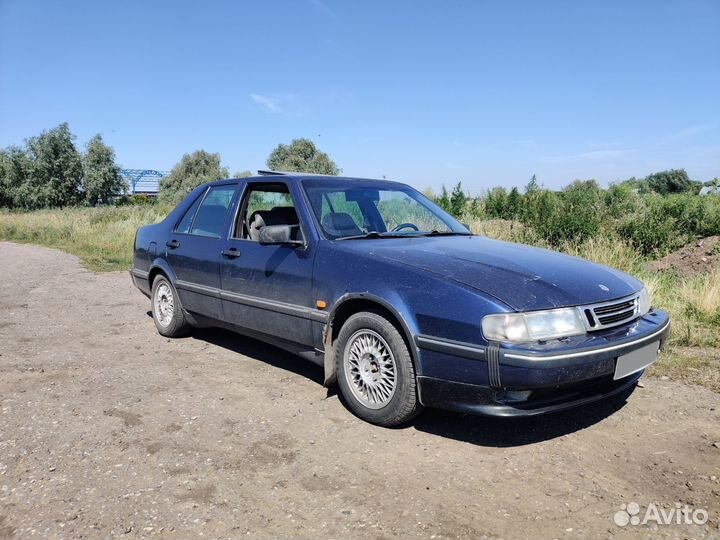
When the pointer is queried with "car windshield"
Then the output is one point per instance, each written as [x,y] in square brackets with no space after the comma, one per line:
[352,209]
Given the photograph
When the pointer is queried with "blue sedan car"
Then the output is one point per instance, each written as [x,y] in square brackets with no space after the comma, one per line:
[397,301]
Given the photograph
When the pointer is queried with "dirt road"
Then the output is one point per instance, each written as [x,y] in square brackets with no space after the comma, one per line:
[109,430]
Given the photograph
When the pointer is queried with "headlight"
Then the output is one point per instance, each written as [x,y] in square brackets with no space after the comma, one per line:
[643,302]
[533,326]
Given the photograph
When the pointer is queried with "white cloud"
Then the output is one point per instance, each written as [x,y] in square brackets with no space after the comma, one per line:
[686,133]
[593,155]
[269,103]
[286,105]
[322,7]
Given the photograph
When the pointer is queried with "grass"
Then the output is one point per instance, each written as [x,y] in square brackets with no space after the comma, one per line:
[694,365]
[103,237]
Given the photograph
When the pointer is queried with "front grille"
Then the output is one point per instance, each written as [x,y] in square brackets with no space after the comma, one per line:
[608,314]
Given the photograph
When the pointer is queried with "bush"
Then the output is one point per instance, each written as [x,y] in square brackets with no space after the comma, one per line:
[581,210]
[540,212]
[136,199]
[574,214]
[688,211]
[620,200]
[495,202]
[652,233]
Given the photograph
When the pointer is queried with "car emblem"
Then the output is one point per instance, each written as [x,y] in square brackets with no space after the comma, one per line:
[603,287]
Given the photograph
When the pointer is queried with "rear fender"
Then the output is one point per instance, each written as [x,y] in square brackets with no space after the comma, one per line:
[160,265]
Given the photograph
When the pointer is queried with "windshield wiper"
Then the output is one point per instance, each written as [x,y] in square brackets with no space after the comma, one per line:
[373,234]
[443,233]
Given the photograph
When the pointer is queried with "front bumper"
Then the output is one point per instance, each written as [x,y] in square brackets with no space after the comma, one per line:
[470,398]
[548,376]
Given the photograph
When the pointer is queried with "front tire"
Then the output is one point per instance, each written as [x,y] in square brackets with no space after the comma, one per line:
[375,371]
[167,310]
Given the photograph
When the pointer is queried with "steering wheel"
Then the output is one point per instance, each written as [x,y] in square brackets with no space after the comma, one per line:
[405,226]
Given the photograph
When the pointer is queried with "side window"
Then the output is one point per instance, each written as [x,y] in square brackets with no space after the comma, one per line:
[263,205]
[267,200]
[211,215]
[184,225]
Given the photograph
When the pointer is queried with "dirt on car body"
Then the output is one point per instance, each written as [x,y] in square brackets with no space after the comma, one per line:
[109,430]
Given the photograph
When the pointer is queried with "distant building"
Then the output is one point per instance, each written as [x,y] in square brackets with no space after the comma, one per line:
[710,190]
[145,181]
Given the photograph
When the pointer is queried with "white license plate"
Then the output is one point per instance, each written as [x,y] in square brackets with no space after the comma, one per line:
[630,363]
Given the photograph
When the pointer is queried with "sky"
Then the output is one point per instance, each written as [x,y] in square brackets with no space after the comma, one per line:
[483,92]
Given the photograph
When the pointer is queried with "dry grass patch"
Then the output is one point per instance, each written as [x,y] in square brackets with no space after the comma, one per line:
[693,365]
[101,237]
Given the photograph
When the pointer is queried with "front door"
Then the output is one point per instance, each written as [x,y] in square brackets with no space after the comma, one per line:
[268,288]
[193,250]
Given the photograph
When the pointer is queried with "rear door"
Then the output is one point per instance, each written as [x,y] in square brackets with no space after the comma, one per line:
[268,288]
[193,250]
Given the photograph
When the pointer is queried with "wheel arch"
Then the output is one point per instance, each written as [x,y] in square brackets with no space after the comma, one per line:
[160,266]
[351,303]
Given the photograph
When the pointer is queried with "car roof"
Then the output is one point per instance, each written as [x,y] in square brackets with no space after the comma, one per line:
[297,177]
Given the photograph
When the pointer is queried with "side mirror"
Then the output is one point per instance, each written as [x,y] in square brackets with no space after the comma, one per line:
[278,235]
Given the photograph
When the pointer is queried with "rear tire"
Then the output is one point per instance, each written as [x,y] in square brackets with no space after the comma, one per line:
[375,370]
[167,310]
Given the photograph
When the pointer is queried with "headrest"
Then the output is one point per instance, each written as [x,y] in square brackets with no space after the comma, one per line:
[340,224]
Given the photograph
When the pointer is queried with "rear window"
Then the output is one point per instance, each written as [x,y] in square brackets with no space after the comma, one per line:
[210,217]
[186,222]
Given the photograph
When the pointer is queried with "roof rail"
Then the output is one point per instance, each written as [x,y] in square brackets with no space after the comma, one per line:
[288,173]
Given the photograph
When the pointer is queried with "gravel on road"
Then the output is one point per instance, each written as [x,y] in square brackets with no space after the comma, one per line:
[108,429]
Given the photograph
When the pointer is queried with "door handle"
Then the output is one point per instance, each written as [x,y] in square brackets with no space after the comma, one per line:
[231,253]
[172,244]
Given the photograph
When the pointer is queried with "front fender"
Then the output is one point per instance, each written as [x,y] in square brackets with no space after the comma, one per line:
[397,308]
[423,303]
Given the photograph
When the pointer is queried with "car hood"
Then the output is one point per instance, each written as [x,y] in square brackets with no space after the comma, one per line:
[522,277]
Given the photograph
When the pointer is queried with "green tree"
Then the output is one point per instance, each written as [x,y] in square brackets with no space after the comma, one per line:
[672,181]
[457,200]
[620,200]
[513,204]
[637,185]
[301,155]
[242,174]
[541,212]
[580,213]
[496,202]
[532,185]
[14,170]
[194,169]
[55,173]
[101,177]
[443,201]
